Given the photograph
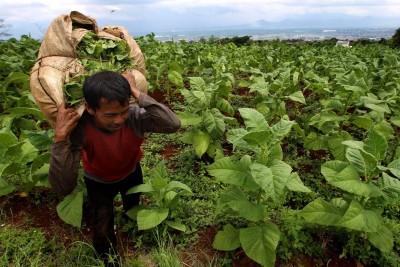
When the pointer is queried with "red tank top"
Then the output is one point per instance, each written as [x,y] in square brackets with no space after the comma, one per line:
[111,156]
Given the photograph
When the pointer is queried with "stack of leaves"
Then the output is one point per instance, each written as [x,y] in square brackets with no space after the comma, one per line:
[96,54]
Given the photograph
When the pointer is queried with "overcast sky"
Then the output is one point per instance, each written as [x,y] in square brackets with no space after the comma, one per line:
[141,16]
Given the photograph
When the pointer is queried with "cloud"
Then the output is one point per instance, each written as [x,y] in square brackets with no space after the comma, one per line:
[153,15]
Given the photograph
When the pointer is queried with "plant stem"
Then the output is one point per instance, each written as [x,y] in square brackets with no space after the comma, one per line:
[352,243]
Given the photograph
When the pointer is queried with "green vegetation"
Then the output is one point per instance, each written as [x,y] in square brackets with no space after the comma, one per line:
[96,54]
[288,148]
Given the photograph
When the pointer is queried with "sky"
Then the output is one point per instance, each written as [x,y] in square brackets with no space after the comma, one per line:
[140,17]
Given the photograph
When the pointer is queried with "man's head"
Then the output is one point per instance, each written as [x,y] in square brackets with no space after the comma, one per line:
[108,85]
[107,99]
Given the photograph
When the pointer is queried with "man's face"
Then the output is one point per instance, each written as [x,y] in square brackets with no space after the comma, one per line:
[110,116]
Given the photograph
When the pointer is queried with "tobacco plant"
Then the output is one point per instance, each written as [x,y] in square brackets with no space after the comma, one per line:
[206,106]
[164,197]
[368,185]
[258,182]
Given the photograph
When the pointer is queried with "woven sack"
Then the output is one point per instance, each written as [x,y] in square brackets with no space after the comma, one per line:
[57,60]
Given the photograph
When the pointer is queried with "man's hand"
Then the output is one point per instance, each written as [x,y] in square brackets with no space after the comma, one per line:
[67,119]
[132,82]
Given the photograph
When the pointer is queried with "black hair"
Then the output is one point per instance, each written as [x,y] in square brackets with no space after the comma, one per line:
[108,85]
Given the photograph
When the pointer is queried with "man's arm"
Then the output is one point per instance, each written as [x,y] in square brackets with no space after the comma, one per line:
[151,116]
[65,151]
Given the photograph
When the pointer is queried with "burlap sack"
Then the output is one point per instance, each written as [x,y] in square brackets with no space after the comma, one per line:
[57,60]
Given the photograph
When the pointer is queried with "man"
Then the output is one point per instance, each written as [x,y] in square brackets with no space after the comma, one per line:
[107,138]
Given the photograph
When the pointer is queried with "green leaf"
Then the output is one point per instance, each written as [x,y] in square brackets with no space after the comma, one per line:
[337,147]
[6,188]
[214,122]
[238,201]
[262,175]
[175,78]
[382,239]
[261,87]
[178,185]
[360,219]
[376,145]
[189,118]
[70,209]
[253,120]
[7,140]
[321,212]
[23,111]
[201,141]
[281,129]
[345,177]
[260,242]
[227,239]
[364,162]
[142,188]
[280,173]
[315,142]
[394,167]
[294,183]
[235,173]
[235,137]
[177,225]
[298,97]
[363,122]
[224,106]
[257,138]
[147,218]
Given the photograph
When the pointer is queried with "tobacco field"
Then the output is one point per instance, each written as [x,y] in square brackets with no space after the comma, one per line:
[288,155]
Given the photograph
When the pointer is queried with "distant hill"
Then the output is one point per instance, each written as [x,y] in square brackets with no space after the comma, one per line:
[328,21]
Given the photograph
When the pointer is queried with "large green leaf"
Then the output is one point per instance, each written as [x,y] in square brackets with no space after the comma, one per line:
[175,78]
[390,188]
[281,129]
[260,242]
[227,239]
[360,219]
[239,202]
[261,87]
[382,239]
[201,141]
[6,188]
[232,172]
[149,218]
[298,97]
[321,212]
[70,209]
[257,138]
[345,177]
[280,173]
[294,183]
[23,111]
[376,145]
[173,185]
[262,175]
[224,106]
[315,142]
[365,163]
[188,118]
[336,146]
[235,137]
[7,140]
[394,167]
[214,122]
[142,188]
[253,120]
[177,225]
